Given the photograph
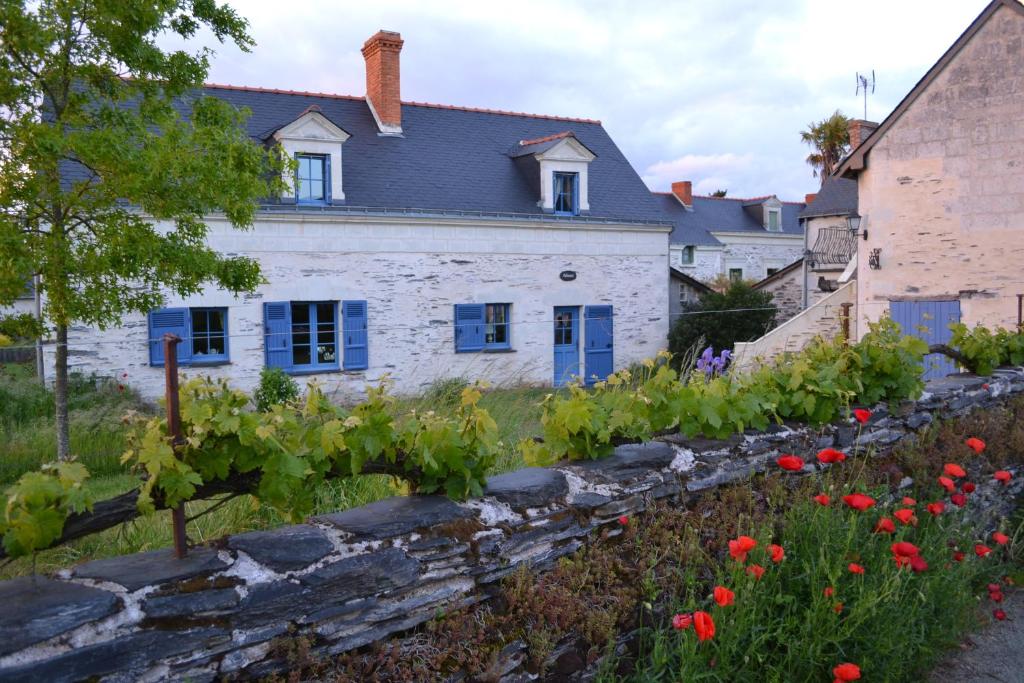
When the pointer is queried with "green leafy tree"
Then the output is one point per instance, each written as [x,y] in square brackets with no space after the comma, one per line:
[715,322]
[719,193]
[830,139]
[110,159]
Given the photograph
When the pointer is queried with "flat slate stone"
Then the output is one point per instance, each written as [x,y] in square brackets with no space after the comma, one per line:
[185,604]
[124,655]
[588,500]
[396,516]
[153,568]
[632,460]
[528,487]
[37,611]
[286,549]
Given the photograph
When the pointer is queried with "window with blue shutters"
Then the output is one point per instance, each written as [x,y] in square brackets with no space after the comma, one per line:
[353,321]
[483,327]
[301,336]
[203,333]
[566,194]
[313,179]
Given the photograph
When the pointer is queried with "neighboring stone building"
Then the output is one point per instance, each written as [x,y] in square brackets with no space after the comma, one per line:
[786,288]
[941,189]
[682,290]
[422,241]
[746,239]
[830,243]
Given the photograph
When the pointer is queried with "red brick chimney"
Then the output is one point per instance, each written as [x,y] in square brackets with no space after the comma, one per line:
[383,90]
[683,190]
[808,198]
[859,131]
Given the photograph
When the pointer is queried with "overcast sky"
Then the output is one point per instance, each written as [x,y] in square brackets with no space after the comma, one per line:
[713,91]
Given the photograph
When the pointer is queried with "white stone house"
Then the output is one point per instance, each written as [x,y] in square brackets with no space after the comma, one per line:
[421,241]
[743,239]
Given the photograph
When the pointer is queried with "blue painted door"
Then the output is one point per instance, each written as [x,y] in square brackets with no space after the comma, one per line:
[567,344]
[930,321]
[600,352]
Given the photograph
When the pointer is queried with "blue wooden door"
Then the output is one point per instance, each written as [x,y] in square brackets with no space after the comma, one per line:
[600,352]
[567,344]
[930,321]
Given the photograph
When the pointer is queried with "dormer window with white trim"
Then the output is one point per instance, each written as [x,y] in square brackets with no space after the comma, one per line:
[558,164]
[774,220]
[314,142]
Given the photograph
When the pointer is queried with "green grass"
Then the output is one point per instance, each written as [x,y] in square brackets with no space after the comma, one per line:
[96,408]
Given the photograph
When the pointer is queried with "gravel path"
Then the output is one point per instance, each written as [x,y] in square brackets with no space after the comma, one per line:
[995,653]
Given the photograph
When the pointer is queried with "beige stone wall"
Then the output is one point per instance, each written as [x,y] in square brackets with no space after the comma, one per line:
[787,294]
[943,192]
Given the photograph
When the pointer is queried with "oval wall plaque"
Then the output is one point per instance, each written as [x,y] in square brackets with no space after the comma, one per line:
[567,275]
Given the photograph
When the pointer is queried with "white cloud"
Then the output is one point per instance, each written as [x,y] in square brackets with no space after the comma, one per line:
[705,170]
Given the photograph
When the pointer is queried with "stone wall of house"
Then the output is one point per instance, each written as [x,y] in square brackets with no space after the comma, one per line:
[787,293]
[707,262]
[942,196]
[756,253]
[412,273]
[351,578]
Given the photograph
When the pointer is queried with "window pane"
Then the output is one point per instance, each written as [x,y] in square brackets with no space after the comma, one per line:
[325,353]
[199,322]
[200,346]
[325,314]
[215,321]
[300,355]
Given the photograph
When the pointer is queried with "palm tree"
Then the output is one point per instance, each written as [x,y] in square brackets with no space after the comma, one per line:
[830,139]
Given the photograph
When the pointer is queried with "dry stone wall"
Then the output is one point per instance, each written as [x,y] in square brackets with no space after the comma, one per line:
[355,577]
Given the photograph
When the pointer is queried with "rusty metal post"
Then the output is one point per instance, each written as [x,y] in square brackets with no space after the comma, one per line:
[171,342]
[1020,312]
[844,320]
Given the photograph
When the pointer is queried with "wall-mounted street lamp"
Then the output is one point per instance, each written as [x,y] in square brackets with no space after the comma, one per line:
[853,224]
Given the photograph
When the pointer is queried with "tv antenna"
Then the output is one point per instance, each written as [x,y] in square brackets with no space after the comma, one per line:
[863,84]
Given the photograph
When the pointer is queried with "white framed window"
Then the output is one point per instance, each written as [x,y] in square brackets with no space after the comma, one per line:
[775,220]
[686,256]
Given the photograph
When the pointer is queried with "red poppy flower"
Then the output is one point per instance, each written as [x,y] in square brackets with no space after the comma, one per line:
[831,455]
[1003,476]
[623,520]
[1000,538]
[885,526]
[976,445]
[828,592]
[900,561]
[936,508]
[985,386]
[739,547]
[858,501]
[908,501]
[862,415]
[822,499]
[999,614]
[723,596]
[855,568]
[905,515]
[790,463]
[982,550]
[756,570]
[958,556]
[968,487]
[846,672]
[838,608]
[681,622]
[958,499]
[777,553]
[918,564]
[704,625]
[947,484]
[993,587]
[954,470]
[904,549]
[996,596]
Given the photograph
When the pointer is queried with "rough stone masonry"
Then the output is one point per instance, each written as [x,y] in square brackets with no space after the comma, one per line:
[358,576]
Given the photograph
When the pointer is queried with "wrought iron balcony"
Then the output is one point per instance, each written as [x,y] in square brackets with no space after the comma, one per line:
[835,246]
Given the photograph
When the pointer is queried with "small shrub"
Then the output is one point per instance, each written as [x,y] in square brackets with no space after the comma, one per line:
[721,330]
[275,388]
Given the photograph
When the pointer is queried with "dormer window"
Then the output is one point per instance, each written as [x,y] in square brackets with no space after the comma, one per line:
[566,193]
[312,179]
[775,220]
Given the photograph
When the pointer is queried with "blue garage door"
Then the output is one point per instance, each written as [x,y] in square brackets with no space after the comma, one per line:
[930,321]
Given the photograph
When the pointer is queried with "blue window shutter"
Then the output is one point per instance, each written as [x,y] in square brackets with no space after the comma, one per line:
[469,327]
[277,330]
[353,315]
[327,178]
[175,321]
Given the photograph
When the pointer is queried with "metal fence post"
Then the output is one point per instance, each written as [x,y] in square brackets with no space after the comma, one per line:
[844,320]
[1020,312]
[171,342]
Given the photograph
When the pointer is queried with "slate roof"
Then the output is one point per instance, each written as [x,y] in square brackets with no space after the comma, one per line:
[691,281]
[722,214]
[837,197]
[450,158]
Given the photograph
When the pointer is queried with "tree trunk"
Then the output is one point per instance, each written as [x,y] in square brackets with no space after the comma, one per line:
[60,393]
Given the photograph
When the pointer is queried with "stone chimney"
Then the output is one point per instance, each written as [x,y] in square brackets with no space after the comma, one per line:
[808,198]
[383,92]
[683,190]
[859,131]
